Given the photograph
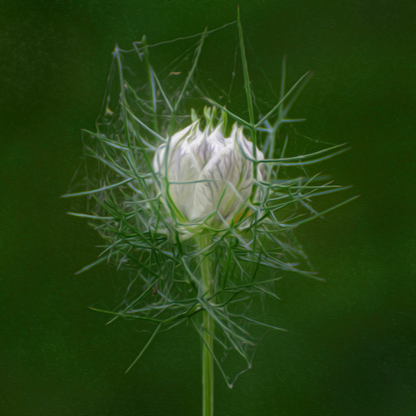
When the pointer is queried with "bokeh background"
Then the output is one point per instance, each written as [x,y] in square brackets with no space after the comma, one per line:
[351,345]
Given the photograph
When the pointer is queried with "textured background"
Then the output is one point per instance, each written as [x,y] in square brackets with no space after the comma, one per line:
[351,345]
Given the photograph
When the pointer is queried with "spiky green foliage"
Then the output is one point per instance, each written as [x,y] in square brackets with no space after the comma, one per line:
[145,233]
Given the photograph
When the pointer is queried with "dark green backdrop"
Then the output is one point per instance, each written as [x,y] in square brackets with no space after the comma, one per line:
[350,349]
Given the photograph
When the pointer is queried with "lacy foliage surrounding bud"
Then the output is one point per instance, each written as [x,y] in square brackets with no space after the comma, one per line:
[152,199]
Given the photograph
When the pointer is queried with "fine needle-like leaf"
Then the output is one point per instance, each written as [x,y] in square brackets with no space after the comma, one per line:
[144,348]
[191,72]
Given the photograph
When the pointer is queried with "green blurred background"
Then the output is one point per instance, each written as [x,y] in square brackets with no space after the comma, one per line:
[351,345]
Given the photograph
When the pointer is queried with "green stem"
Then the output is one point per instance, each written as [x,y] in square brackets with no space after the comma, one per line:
[208,345]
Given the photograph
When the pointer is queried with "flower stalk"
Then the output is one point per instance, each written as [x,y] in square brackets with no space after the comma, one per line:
[208,331]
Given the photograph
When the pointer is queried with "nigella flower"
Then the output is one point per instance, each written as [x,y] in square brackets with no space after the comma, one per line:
[208,177]
[201,226]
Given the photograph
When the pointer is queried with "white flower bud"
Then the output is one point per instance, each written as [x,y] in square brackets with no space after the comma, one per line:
[219,175]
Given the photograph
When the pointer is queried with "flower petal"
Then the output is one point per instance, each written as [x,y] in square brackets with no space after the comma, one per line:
[205,145]
[184,167]
[228,185]
[174,144]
